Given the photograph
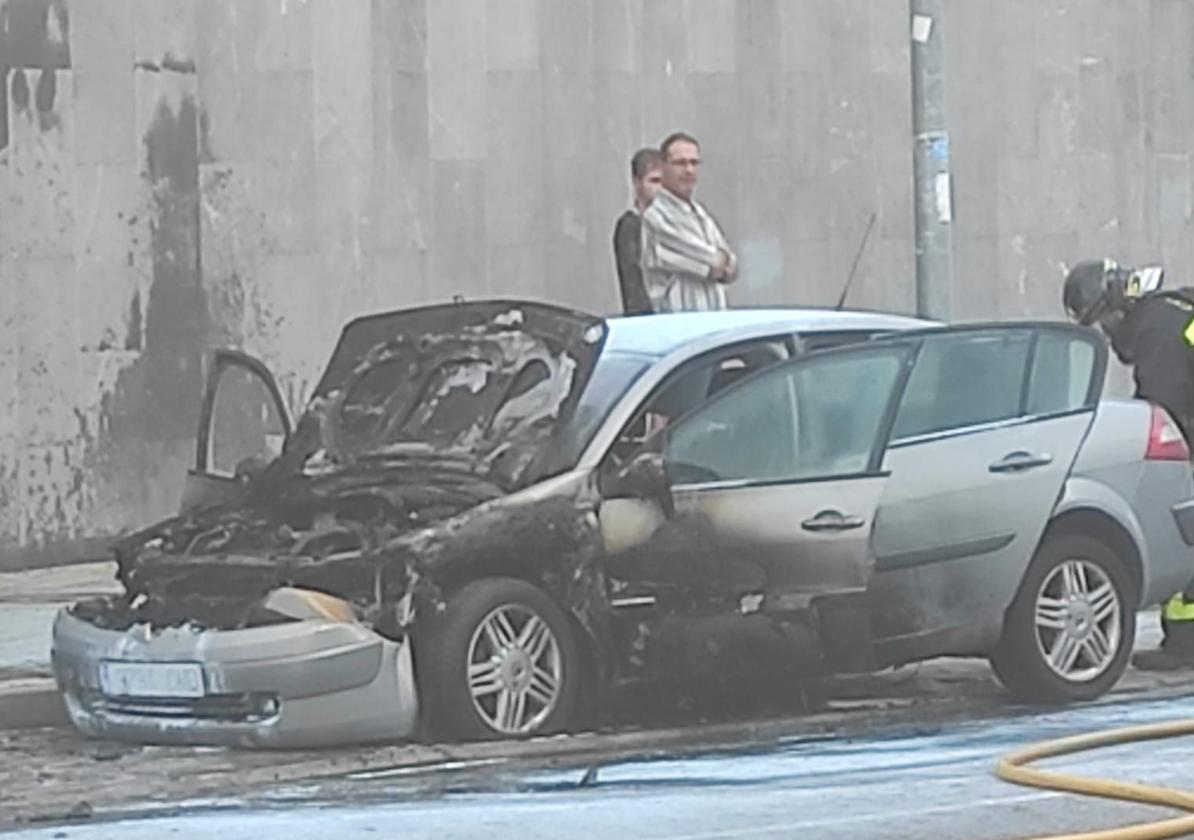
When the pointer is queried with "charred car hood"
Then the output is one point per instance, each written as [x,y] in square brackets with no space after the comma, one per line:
[484,385]
[420,416]
[344,510]
[368,538]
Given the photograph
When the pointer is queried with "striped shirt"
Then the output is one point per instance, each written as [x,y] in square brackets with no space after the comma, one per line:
[680,245]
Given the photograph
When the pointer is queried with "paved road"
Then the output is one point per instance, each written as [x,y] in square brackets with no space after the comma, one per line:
[910,786]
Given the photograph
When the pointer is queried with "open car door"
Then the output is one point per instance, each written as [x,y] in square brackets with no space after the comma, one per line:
[985,436]
[776,482]
[243,425]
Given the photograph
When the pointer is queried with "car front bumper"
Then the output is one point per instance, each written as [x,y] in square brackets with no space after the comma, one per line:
[303,683]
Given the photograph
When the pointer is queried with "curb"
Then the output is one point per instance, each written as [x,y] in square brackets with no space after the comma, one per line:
[30,703]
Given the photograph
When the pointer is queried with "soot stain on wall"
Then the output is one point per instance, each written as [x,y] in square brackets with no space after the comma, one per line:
[149,417]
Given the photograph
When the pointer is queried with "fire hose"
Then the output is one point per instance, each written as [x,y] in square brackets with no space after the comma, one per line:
[1013,767]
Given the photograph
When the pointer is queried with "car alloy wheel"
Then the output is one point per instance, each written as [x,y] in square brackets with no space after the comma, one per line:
[1077,620]
[515,670]
[1069,630]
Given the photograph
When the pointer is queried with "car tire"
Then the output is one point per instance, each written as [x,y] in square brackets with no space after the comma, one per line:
[1069,632]
[500,661]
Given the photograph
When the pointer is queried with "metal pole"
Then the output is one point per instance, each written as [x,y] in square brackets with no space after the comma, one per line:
[934,193]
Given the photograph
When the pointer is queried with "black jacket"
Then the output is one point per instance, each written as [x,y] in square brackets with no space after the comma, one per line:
[628,248]
[1156,337]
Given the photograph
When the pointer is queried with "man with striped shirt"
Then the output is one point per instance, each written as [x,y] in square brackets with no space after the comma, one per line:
[687,261]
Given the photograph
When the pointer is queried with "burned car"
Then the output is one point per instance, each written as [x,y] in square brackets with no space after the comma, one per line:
[492,515]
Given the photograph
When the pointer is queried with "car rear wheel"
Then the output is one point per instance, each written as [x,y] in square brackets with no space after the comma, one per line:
[500,662]
[1069,633]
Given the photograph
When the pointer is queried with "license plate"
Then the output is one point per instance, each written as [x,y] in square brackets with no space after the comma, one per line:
[151,679]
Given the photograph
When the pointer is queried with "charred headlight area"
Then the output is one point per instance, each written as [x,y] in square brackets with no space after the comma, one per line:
[250,577]
[229,611]
[122,612]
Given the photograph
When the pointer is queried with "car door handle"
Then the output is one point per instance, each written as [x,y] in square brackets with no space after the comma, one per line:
[1020,461]
[832,520]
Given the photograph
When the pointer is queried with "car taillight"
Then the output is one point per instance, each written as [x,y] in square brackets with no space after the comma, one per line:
[1165,439]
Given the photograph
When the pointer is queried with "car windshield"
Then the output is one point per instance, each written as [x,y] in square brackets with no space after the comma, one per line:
[614,375]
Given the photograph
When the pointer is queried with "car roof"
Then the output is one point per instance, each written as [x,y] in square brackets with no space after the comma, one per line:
[658,335]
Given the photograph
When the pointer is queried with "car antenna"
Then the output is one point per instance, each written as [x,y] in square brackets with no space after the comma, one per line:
[841,302]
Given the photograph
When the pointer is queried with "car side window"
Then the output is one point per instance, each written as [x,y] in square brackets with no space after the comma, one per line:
[818,418]
[696,382]
[964,379]
[245,423]
[1060,379]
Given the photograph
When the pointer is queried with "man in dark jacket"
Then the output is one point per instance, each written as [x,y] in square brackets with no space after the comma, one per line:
[646,175]
[1153,331]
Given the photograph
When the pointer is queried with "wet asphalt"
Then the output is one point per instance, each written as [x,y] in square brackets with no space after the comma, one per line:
[932,782]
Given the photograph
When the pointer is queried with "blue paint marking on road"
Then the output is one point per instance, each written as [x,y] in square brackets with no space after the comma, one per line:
[821,762]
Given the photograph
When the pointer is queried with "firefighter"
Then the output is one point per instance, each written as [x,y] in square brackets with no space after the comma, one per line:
[1153,332]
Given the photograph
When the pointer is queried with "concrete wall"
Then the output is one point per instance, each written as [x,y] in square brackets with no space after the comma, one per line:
[176,174]
[1071,134]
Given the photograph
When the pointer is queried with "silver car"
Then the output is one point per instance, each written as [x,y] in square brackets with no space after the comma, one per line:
[493,515]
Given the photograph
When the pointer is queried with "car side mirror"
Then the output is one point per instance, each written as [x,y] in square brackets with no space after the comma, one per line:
[646,477]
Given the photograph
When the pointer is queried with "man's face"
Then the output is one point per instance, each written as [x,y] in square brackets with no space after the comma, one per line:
[646,187]
[680,168]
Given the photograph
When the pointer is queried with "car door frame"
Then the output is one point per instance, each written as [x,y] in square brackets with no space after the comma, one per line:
[202,485]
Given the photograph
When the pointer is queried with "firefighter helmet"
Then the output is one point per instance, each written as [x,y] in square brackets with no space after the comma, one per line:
[1094,288]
